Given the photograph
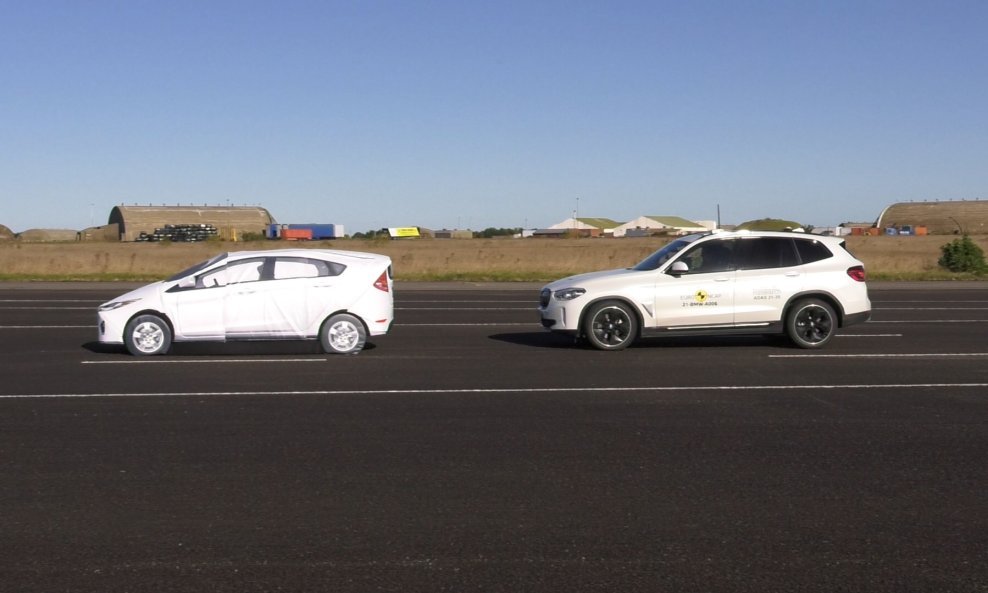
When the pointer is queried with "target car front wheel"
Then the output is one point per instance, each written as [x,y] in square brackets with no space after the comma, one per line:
[147,335]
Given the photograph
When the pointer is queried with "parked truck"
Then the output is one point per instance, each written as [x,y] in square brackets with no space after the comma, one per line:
[305,231]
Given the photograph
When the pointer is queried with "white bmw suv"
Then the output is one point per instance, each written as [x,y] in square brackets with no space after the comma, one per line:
[741,282]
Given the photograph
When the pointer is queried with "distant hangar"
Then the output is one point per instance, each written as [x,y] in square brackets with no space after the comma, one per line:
[940,218]
[231,221]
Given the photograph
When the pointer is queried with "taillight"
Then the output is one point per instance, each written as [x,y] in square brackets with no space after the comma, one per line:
[382,281]
[857,273]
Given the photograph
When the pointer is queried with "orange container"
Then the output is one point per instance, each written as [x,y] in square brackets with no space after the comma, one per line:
[296,234]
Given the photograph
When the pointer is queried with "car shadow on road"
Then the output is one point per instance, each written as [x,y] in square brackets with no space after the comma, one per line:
[250,348]
[536,339]
[560,341]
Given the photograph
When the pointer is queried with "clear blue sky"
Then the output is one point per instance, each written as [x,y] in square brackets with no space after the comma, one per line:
[455,113]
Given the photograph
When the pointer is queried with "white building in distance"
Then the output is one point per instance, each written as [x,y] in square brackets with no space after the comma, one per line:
[650,225]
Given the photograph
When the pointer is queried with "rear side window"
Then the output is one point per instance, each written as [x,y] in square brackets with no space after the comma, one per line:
[811,251]
[303,267]
[767,252]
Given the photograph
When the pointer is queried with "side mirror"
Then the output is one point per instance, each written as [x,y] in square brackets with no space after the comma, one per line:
[678,267]
[187,282]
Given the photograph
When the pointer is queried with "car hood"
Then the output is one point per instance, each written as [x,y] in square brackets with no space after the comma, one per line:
[144,292]
[590,278]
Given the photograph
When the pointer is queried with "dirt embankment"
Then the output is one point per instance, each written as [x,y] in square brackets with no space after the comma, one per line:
[494,259]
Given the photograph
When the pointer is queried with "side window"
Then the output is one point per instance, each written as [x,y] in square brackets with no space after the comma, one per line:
[766,252]
[303,267]
[811,250]
[710,256]
[248,270]
[212,278]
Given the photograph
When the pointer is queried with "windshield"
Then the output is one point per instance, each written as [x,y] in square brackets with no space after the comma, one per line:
[663,255]
[199,266]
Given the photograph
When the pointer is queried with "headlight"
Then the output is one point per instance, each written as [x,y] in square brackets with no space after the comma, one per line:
[115,305]
[568,294]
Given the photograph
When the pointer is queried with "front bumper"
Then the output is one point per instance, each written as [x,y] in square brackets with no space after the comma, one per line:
[110,328]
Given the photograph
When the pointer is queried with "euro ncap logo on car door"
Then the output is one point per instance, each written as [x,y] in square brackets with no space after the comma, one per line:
[700,298]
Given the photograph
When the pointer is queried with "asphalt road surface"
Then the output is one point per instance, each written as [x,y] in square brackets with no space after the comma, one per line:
[468,450]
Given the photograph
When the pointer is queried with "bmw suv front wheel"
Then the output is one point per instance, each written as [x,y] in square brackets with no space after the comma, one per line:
[610,325]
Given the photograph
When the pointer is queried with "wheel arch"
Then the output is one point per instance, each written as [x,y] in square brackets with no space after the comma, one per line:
[353,314]
[163,316]
[824,296]
[612,298]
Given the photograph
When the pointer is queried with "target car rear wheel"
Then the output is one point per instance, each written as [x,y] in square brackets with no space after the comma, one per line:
[343,334]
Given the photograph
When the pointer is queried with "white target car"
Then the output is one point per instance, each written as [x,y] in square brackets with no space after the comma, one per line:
[337,297]
[744,282]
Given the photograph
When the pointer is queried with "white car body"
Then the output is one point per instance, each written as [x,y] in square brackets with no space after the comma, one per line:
[258,295]
[803,285]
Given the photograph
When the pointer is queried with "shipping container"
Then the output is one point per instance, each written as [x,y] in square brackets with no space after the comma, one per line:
[296,234]
[316,232]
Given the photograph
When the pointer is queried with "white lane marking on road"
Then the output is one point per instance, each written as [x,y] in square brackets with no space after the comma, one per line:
[528,324]
[50,301]
[47,308]
[931,309]
[206,361]
[499,301]
[940,302]
[47,326]
[532,308]
[914,355]
[933,321]
[869,335]
[653,389]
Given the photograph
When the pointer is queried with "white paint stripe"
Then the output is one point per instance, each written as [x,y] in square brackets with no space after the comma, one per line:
[47,308]
[916,355]
[869,335]
[532,308]
[201,361]
[654,389]
[529,324]
[47,326]
[934,321]
[533,324]
[931,309]
[499,301]
[50,301]
[940,302]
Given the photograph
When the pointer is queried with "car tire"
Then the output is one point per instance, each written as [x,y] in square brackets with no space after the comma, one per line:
[343,334]
[147,335]
[610,325]
[811,323]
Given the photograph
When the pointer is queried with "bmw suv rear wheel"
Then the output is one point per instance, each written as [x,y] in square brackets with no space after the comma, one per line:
[811,323]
